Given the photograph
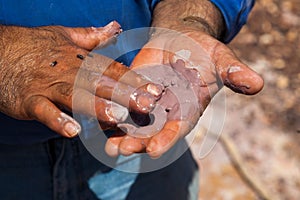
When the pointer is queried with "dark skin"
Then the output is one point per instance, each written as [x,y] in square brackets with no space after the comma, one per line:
[39,66]
[38,71]
[201,21]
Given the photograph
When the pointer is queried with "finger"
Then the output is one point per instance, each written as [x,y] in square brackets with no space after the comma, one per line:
[86,103]
[44,111]
[167,137]
[130,77]
[113,142]
[138,99]
[106,111]
[119,72]
[130,145]
[89,38]
[235,74]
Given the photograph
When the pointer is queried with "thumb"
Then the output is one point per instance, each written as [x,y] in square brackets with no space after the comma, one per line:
[235,74]
[89,38]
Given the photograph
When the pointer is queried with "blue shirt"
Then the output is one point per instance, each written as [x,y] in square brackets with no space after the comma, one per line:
[235,14]
[73,13]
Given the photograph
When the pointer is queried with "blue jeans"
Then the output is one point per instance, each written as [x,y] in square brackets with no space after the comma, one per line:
[63,169]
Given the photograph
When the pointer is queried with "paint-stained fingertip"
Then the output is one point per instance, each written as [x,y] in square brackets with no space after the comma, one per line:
[111,149]
[155,89]
[142,102]
[249,85]
[117,113]
[72,129]
[244,80]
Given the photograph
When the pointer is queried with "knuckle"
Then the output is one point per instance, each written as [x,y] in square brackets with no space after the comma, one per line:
[64,89]
[34,106]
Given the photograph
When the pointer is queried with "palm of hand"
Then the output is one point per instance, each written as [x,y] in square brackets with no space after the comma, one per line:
[207,65]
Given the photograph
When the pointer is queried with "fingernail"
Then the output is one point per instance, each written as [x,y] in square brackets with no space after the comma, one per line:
[152,151]
[72,129]
[145,102]
[111,149]
[113,27]
[118,113]
[110,24]
[149,148]
[154,89]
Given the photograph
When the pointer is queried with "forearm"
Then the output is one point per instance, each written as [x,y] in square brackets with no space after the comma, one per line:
[189,15]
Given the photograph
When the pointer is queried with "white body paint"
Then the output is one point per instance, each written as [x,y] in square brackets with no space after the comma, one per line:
[233,69]
[185,55]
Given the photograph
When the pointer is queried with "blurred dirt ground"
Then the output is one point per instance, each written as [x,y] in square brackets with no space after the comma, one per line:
[258,155]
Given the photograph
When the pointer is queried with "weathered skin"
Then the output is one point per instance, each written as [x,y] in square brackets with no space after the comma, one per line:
[202,22]
[178,101]
[38,68]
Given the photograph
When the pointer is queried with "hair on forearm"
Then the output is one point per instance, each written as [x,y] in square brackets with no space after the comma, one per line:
[189,15]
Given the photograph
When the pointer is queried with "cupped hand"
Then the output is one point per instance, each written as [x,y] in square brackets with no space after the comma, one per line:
[40,65]
[202,60]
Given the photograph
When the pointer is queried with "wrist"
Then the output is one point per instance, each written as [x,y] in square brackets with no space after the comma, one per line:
[190,15]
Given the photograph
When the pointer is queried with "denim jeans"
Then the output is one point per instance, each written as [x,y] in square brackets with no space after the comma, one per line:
[63,169]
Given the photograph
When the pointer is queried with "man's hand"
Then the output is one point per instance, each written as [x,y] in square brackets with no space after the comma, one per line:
[196,48]
[38,68]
